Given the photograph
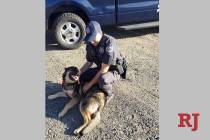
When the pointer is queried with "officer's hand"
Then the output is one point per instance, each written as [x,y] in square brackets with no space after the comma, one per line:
[60,81]
[86,87]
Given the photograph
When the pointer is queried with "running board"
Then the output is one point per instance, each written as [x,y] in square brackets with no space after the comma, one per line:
[141,25]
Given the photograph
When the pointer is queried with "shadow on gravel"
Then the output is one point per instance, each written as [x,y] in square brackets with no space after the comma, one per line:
[72,119]
[118,33]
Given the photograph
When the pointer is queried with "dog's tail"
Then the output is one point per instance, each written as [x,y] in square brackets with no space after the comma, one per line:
[95,121]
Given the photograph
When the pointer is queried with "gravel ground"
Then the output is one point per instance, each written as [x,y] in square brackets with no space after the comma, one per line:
[133,113]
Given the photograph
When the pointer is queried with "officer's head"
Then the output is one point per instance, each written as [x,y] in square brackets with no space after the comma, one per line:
[93,33]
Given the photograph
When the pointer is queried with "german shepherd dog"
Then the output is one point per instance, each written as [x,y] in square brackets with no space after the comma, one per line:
[91,103]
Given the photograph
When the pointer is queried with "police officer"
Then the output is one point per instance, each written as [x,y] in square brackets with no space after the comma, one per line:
[101,49]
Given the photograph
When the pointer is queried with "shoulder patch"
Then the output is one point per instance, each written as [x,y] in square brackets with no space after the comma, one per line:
[109,49]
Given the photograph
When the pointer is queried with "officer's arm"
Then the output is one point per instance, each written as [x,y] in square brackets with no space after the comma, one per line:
[86,66]
[104,69]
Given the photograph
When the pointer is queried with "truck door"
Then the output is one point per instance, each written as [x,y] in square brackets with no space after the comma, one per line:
[102,11]
[135,11]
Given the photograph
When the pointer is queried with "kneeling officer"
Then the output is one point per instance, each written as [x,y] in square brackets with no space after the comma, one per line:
[101,49]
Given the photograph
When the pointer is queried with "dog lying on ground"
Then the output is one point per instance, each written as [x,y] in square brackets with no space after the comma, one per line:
[91,103]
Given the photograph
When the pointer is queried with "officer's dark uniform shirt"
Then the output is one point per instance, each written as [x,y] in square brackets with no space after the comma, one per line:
[105,52]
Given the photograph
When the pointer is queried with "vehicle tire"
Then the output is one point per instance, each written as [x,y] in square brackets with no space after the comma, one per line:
[69,30]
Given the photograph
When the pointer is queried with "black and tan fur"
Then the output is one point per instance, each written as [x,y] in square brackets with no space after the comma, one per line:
[91,103]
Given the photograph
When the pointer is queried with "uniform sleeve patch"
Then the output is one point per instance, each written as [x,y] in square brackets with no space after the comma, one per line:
[109,49]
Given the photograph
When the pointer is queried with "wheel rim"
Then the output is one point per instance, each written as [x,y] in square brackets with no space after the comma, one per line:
[70,33]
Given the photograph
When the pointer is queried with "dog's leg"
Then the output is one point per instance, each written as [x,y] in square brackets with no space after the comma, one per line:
[68,106]
[58,94]
[86,122]
[87,118]
[95,121]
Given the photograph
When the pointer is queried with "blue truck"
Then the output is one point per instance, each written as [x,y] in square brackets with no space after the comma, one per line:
[68,18]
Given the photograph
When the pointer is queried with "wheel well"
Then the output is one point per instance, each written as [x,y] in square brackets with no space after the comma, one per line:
[65,9]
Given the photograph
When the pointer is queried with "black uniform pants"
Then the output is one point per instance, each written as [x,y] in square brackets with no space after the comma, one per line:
[105,81]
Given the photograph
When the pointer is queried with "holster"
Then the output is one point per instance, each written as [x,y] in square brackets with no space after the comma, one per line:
[124,65]
[120,67]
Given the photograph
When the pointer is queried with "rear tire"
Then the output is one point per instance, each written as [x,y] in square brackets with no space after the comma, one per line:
[69,30]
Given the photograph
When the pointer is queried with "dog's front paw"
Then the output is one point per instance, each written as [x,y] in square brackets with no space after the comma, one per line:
[60,115]
[77,131]
[50,97]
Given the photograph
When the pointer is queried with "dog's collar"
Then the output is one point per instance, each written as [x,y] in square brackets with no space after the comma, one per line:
[69,84]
